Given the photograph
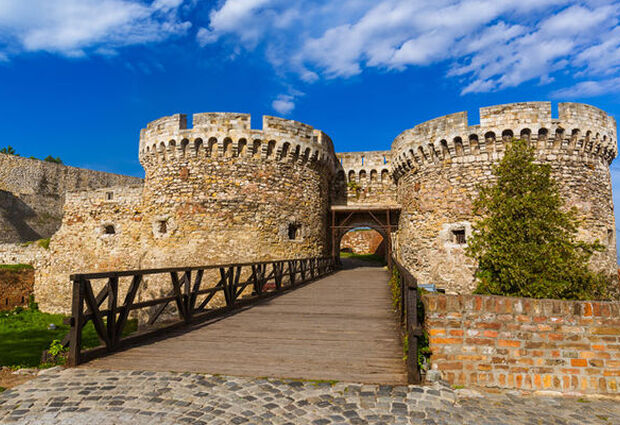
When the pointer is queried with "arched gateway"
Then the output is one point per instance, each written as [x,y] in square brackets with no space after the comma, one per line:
[381,218]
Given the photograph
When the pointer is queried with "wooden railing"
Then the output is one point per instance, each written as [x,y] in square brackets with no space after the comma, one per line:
[189,290]
[409,319]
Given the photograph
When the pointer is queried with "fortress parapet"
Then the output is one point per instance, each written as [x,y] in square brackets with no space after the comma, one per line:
[216,134]
[580,130]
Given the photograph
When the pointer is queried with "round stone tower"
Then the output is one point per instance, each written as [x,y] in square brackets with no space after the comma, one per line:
[438,165]
[223,192]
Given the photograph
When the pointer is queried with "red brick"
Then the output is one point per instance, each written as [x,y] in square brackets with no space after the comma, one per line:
[579,362]
[491,325]
[439,340]
[479,341]
[508,343]
[449,365]
[605,331]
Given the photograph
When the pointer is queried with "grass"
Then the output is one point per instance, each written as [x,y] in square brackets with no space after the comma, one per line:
[43,243]
[2,389]
[24,335]
[16,267]
[371,258]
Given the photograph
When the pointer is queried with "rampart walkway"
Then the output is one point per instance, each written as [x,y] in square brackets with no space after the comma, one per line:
[338,328]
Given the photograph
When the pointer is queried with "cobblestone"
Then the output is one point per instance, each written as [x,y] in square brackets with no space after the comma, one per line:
[86,396]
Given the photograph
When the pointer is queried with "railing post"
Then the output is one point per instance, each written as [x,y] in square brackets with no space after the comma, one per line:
[77,306]
[112,305]
[413,332]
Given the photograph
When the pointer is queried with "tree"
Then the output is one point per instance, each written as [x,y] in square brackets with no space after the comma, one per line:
[8,150]
[50,158]
[526,240]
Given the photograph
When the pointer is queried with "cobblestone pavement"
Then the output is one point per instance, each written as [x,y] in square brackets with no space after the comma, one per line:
[83,396]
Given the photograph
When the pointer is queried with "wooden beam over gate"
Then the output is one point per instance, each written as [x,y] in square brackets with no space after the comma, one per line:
[347,217]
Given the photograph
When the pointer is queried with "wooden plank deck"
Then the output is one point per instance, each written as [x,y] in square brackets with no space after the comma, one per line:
[338,328]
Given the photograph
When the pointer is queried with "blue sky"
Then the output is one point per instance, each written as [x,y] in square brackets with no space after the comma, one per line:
[79,78]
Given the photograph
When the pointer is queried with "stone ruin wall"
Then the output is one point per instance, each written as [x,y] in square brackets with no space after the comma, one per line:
[365,179]
[363,241]
[82,245]
[439,163]
[32,194]
[219,192]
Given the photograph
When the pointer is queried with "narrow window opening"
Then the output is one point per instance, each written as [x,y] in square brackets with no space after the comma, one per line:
[109,195]
[109,229]
[459,236]
[610,236]
[294,231]
[163,226]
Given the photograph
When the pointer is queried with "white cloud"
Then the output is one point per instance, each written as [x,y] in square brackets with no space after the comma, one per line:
[75,27]
[487,44]
[284,104]
[589,88]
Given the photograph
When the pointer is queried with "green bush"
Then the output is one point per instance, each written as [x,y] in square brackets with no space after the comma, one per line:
[9,150]
[44,243]
[395,289]
[526,240]
[50,158]
[16,267]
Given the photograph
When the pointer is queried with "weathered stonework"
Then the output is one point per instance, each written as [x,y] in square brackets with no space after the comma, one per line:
[221,192]
[363,241]
[366,179]
[439,164]
[32,194]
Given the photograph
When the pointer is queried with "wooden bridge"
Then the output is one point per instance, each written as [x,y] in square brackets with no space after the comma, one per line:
[334,325]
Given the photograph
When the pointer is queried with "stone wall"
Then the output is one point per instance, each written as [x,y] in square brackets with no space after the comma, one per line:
[216,193]
[32,194]
[365,178]
[102,230]
[439,164]
[32,253]
[503,342]
[16,286]
[363,241]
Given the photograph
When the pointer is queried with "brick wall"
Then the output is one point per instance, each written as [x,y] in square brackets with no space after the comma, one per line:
[489,341]
[15,288]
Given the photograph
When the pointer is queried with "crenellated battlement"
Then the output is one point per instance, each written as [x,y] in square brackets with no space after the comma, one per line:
[216,134]
[579,131]
[366,167]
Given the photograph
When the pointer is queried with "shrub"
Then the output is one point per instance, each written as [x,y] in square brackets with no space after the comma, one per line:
[395,289]
[50,158]
[526,240]
[9,150]
[16,267]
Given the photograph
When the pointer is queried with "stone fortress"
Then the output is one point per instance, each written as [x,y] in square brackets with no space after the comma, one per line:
[221,192]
